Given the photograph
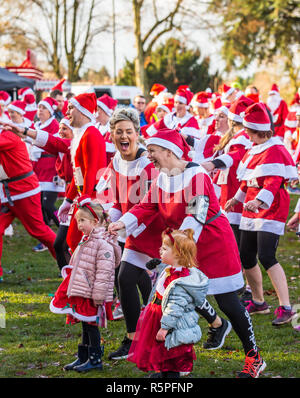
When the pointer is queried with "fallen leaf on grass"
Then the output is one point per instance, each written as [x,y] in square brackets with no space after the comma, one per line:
[20,373]
[21,345]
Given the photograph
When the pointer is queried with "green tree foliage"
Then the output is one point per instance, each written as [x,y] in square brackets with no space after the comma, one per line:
[173,64]
[258,30]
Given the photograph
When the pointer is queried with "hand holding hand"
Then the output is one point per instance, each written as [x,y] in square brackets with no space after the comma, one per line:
[63,211]
[208,166]
[161,334]
[114,227]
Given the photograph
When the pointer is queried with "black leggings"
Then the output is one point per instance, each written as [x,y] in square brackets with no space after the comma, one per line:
[61,247]
[48,199]
[90,335]
[129,278]
[258,244]
[239,317]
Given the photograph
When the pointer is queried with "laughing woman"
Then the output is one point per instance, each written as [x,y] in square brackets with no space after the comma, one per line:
[184,195]
[129,174]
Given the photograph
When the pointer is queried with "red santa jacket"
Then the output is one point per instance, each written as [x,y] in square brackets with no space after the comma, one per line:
[15,164]
[227,179]
[263,172]
[172,197]
[188,125]
[43,162]
[88,157]
[279,116]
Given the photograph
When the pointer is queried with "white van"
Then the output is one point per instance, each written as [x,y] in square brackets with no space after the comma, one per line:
[124,94]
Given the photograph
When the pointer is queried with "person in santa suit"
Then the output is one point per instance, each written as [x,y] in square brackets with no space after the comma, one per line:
[87,163]
[44,164]
[229,94]
[200,103]
[5,100]
[157,91]
[184,195]
[27,95]
[234,144]
[105,107]
[205,148]
[291,136]
[279,110]
[88,155]
[20,191]
[130,174]
[167,106]
[263,173]
[179,119]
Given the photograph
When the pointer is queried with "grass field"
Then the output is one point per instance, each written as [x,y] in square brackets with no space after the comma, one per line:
[36,343]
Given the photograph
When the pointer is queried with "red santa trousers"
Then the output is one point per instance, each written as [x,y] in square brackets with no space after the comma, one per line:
[29,212]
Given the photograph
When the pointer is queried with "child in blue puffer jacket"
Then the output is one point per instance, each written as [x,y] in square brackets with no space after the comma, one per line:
[168,327]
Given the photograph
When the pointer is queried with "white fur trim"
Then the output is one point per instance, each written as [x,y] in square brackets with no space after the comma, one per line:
[240,195]
[165,144]
[261,224]
[265,196]
[181,99]
[228,92]
[151,130]
[22,195]
[191,222]
[114,214]
[136,258]
[271,169]
[192,131]
[48,106]
[225,284]
[16,109]
[234,218]
[234,117]
[225,159]
[131,223]
[41,138]
[83,110]
[257,126]
[105,108]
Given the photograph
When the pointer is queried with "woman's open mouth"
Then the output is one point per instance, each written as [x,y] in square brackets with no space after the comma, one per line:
[124,145]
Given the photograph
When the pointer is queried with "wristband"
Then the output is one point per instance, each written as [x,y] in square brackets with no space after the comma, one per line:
[25,130]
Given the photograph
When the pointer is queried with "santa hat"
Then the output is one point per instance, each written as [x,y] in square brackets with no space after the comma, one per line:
[172,140]
[238,107]
[157,89]
[216,104]
[296,99]
[274,89]
[24,91]
[5,98]
[66,122]
[18,106]
[253,96]
[226,91]
[183,95]
[59,85]
[107,104]
[86,103]
[167,105]
[257,118]
[49,103]
[200,99]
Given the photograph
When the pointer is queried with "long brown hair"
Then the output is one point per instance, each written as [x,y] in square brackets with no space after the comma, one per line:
[226,137]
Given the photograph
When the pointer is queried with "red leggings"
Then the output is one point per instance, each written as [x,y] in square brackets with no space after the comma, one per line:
[29,212]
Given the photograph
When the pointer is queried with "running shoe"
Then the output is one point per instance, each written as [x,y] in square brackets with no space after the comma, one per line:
[254,308]
[118,312]
[254,365]
[282,316]
[123,351]
[40,248]
[216,336]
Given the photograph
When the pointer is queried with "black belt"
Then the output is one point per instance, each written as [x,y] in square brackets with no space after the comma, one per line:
[13,179]
[46,155]
[213,217]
